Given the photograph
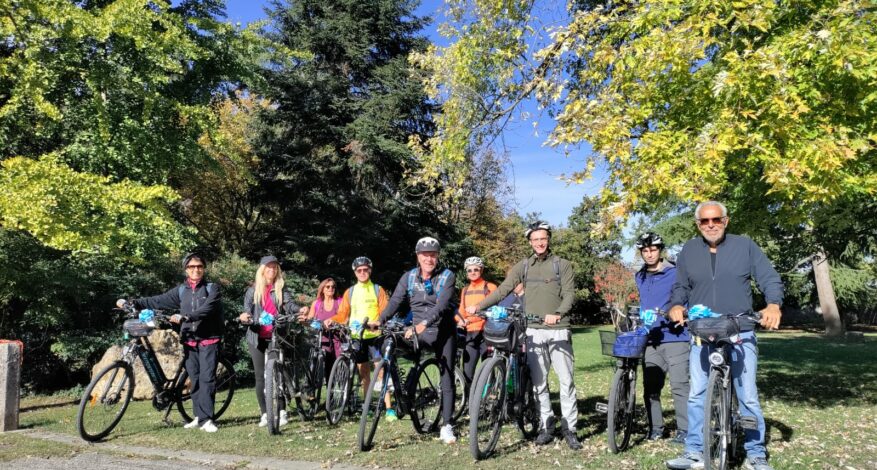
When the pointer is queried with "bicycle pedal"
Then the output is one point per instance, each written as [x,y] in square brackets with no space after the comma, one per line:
[602,408]
[748,422]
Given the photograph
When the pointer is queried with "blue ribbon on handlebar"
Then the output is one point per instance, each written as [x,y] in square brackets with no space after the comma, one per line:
[701,311]
[266,319]
[146,316]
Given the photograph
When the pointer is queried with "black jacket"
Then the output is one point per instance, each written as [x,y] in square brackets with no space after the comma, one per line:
[431,309]
[289,307]
[202,308]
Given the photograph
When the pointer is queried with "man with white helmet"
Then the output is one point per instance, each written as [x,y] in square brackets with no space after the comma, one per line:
[550,287]
[477,289]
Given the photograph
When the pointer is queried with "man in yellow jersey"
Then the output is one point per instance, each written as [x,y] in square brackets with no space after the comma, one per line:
[477,289]
[363,303]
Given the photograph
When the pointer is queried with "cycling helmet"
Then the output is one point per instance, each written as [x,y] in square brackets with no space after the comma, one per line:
[649,239]
[537,225]
[190,257]
[361,261]
[473,261]
[427,244]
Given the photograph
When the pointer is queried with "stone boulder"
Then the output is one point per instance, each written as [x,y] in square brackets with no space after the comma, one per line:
[169,351]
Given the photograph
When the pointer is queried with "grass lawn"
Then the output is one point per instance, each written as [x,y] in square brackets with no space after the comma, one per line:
[819,397]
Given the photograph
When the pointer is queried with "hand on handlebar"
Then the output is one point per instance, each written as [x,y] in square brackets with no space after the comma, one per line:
[677,315]
[770,317]
[176,318]
[373,325]
[551,319]
[472,309]
[245,318]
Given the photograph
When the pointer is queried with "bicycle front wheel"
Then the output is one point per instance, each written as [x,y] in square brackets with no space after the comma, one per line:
[425,396]
[486,407]
[622,399]
[338,390]
[373,407]
[275,397]
[716,423]
[226,380]
[528,418]
[105,400]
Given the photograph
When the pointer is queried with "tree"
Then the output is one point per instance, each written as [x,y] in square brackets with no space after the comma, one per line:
[767,105]
[614,282]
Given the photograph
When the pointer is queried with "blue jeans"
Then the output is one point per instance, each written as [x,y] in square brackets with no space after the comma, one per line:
[744,363]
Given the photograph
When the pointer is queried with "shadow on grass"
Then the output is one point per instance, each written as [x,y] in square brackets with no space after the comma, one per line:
[49,405]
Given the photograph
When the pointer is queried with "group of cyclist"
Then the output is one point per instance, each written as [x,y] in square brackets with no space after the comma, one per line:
[714,270]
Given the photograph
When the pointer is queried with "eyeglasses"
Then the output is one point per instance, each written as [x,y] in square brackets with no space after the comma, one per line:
[541,239]
[330,286]
[195,266]
[715,220]
[474,270]
[362,270]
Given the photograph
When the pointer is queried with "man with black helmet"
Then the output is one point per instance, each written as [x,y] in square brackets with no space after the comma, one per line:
[667,349]
[200,332]
[550,286]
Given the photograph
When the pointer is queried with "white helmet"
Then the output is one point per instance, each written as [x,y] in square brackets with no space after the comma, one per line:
[473,261]
[537,225]
[427,244]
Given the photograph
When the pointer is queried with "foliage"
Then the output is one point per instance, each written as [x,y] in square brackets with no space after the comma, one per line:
[614,282]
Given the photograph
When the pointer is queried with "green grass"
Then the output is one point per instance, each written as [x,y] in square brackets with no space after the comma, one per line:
[18,446]
[819,397]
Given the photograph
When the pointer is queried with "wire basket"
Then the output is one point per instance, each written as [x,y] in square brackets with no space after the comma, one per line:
[607,341]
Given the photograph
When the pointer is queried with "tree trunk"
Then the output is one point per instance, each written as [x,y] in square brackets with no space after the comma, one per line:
[833,324]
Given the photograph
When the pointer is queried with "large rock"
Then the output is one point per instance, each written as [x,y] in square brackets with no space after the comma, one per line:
[169,351]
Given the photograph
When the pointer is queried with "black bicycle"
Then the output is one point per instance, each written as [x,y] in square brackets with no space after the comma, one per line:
[420,397]
[503,389]
[107,396]
[342,390]
[722,422]
[461,403]
[627,347]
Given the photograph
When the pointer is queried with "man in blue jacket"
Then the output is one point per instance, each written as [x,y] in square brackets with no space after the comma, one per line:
[667,349]
[715,270]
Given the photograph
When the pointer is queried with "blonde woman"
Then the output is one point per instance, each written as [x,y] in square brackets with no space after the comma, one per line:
[266,295]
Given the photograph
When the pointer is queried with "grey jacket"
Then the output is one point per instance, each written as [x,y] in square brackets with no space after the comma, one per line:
[289,307]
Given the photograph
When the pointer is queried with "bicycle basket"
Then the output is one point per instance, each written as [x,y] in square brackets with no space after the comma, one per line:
[714,329]
[630,345]
[607,341]
[136,328]
[498,333]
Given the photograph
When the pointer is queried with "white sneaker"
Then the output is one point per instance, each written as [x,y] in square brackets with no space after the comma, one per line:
[192,425]
[208,426]
[283,418]
[447,434]
[263,421]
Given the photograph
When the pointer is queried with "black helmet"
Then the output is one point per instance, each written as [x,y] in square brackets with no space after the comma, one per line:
[427,244]
[649,239]
[190,257]
[361,261]
[537,225]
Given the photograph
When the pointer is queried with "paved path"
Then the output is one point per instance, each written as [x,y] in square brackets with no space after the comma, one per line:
[104,456]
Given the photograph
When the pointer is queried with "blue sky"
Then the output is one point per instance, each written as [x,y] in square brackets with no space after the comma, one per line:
[535,169]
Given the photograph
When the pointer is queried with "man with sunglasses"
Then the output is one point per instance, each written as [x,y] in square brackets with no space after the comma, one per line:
[716,270]
[550,287]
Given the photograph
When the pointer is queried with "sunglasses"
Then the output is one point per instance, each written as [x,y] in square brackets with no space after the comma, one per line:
[362,270]
[427,286]
[474,270]
[330,286]
[195,266]
[715,221]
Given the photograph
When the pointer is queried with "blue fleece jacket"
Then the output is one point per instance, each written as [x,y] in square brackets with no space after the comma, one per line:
[654,293]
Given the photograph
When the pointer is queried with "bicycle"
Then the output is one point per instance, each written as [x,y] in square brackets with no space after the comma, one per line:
[460,383]
[503,389]
[628,349]
[107,396]
[420,397]
[342,390]
[722,422]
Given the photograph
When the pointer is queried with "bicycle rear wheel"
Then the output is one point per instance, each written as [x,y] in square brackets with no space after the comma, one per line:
[104,401]
[339,389]
[373,406]
[308,401]
[528,415]
[425,396]
[622,399]
[275,396]
[225,385]
[486,407]
[716,423]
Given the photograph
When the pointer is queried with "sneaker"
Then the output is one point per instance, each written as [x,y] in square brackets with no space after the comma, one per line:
[283,418]
[655,435]
[544,438]
[572,440]
[208,426]
[688,460]
[679,438]
[263,421]
[447,434]
[756,463]
[192,425]
[391,416]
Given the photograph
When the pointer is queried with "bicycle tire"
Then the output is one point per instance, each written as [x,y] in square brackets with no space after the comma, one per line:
[372,408]
[338,389]
[226,381]
[425,396]
[275,398]
[308,401]
[528,418]
[716,423]
[116,390]
[622,399]
[461,402]
[486,407]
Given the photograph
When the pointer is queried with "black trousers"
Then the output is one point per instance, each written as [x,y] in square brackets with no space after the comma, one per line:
[201,364]
[257,353]
[474,350]
[443,341]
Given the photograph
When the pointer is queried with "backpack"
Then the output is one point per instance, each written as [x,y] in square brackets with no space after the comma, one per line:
[554,260]
[442,279]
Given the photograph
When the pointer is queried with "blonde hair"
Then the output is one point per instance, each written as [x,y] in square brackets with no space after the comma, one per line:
[260,284]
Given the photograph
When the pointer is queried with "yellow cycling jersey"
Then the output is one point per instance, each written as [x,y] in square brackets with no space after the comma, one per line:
[364,304]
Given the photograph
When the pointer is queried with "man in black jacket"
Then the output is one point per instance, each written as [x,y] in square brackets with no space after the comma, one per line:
[715,270]
[200,332]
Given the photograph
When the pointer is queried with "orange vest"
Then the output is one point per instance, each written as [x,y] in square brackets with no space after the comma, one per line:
[472,294]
